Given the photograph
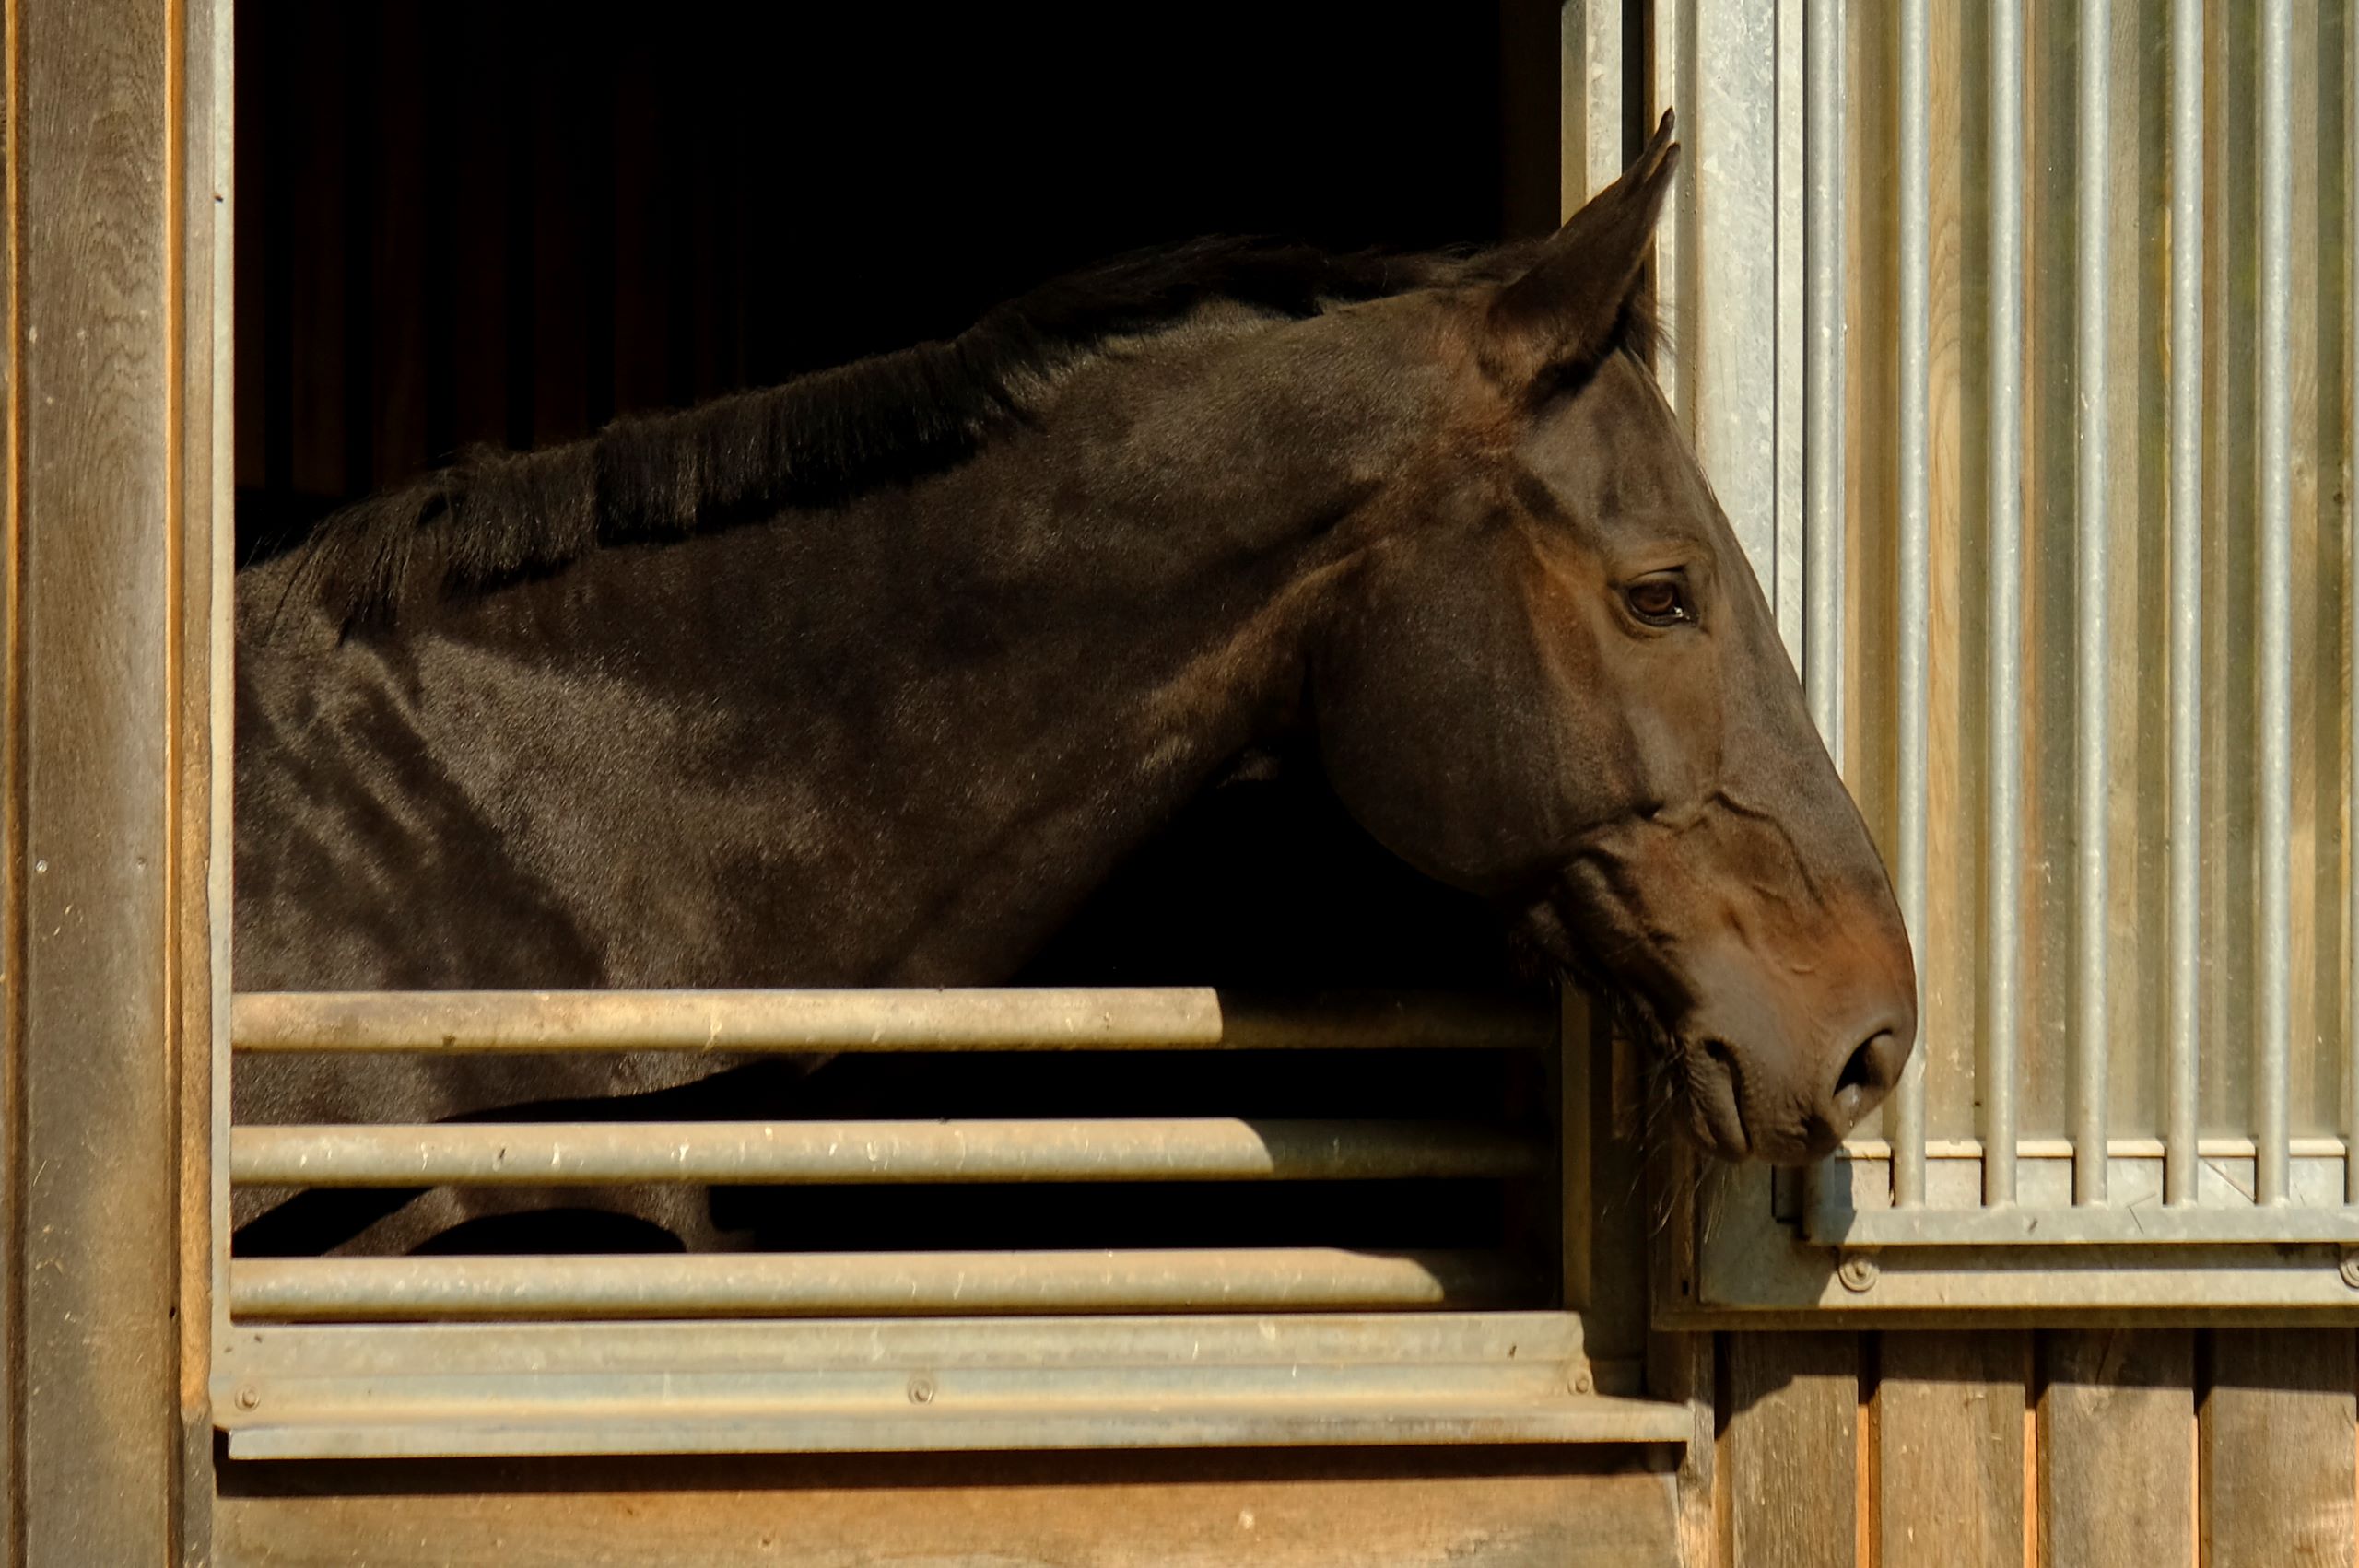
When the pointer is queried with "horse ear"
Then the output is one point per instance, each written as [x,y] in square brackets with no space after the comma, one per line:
[1562,314]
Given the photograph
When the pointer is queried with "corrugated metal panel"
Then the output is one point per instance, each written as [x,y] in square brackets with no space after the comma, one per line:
[2083,629]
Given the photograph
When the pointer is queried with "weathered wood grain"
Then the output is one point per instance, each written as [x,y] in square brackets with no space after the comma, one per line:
[198,981]
[1470,1509]
[2117,1448]
[1950,1447]
[1793,1453]
[2277,1448]
[91,793]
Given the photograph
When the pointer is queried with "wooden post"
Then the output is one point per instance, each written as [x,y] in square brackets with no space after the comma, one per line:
[105,802]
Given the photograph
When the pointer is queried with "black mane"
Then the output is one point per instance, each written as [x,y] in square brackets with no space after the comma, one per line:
[496,516]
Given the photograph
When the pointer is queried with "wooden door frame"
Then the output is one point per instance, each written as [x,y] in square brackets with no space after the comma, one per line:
[114,627]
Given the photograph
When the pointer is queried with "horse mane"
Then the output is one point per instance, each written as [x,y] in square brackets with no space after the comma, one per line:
[494,516]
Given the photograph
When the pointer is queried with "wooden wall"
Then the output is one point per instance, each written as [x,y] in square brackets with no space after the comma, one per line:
[2070,1447]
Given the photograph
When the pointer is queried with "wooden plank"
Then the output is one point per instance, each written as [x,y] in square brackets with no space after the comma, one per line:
[395,309]
[1950,1447]
[2277,1448]
[1684,1367]
[643,192]
[477,334]
[98,202]
[1531,141]
[253,298]
[1286,1509]
[2117,1441]
[199,952]
[561,167]
[1792,1455]
[312,205]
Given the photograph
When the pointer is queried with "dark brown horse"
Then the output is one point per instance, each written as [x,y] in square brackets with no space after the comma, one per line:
[870,679]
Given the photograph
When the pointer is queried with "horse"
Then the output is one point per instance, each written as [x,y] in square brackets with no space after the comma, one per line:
[871,678]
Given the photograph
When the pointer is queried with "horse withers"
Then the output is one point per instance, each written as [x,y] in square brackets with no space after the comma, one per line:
[870,679]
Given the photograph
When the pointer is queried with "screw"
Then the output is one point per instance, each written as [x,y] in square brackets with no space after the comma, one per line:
[921,1390]
[249,1398]
[1583,1382]
[1859,1272]
[2350,1267]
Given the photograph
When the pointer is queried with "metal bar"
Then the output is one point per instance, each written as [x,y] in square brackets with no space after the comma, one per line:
[2003,695]
[1823,402]
[2035,1149]
[2273,1070]
[485,1423]
[1190,1018]
[1010,1382]
[884,1284]
[2092,653]
[2093,1225]
[1207,1149]
[2185,487]
[1916,332]
[1447,1346]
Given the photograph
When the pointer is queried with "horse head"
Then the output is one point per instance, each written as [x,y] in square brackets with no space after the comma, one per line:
[1553,679]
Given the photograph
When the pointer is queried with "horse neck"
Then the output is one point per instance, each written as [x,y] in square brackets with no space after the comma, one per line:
[899,740]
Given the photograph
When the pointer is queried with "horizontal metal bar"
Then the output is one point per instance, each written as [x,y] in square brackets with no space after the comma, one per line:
[1083,1348]
[1202,1149]
[2139,1224]
[1852,1209]
[1175,1018]
[495,1424]
[2209,1284]
[1098,1345]
[468,1389]
[794,1284]
[1872,1150]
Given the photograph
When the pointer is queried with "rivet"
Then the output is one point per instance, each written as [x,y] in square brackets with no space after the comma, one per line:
[1584,1382]
[249,1398]
[1859,1272]
[921,1390]
[2350,1267]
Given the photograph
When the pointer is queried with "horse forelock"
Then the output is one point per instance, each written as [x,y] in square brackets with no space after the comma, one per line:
[494,516]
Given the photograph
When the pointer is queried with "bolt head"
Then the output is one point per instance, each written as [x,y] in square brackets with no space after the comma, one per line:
[921,1390]
[1857,1272]
[2350,1269]
[249,1398]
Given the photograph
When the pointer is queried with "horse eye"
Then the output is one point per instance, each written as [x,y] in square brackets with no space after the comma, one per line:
[1658,601]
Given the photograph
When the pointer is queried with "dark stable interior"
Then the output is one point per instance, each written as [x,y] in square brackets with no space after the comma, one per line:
[462,224]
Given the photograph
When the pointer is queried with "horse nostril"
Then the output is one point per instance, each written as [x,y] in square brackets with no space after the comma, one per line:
[1869,1073]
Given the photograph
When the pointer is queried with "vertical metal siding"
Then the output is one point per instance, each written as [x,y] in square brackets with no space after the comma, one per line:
[2003,844]
[2078,318]
[2186,490]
